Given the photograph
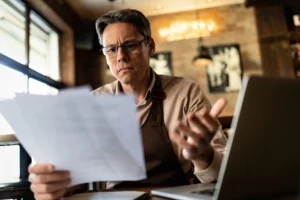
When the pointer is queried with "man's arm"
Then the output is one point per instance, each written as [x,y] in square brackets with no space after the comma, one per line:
[205,142]
[211,172]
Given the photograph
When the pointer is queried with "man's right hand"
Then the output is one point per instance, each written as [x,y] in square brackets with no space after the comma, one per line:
[46,183]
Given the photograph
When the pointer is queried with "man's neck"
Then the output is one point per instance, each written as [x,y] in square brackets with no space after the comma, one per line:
[139,88]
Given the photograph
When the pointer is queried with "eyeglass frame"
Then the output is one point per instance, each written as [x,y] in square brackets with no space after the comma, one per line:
[137,43]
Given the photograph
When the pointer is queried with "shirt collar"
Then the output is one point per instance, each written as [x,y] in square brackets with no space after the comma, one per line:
[119,89]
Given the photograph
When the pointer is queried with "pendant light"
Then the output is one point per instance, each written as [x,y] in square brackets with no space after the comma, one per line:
[203,58]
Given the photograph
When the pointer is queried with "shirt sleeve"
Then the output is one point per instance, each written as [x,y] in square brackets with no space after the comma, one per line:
[211,173]
[197,102]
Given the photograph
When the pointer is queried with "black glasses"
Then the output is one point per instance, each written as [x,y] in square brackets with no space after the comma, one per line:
[112,51]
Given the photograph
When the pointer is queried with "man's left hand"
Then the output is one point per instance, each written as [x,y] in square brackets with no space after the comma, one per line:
[196,138]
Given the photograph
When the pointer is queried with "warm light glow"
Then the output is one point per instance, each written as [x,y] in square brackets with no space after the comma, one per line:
[187,30]
[202,62]
[211,26]
[296,20]
[158,7]
[202,25]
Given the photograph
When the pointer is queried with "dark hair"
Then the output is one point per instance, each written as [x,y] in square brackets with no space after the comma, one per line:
[130,16]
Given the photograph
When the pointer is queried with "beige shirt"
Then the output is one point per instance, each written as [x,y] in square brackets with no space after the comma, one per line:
[182,96]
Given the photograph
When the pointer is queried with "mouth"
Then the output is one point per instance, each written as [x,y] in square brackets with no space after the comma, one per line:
[125,69]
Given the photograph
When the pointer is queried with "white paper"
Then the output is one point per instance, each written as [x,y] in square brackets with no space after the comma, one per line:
[122,195]
[96,138]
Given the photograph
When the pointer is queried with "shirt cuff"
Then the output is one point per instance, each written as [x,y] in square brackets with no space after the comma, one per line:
[211,173]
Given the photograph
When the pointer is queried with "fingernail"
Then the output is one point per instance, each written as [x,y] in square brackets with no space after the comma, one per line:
[51,168]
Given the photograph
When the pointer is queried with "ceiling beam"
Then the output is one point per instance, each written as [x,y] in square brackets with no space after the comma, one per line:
[271,2]
[62,9]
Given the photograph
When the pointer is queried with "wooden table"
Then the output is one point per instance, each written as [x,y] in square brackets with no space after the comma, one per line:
[27,195]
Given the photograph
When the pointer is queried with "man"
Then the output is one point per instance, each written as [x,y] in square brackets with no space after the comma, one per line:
[168,107]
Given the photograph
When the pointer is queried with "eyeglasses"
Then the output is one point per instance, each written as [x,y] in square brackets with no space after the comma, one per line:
[129,47]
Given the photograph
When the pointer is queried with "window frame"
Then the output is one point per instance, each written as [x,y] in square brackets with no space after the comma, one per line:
[24,68]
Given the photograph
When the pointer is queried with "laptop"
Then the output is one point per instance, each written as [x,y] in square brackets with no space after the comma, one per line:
[262,157]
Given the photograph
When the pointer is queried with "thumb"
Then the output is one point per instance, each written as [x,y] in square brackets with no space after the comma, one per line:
[218,107]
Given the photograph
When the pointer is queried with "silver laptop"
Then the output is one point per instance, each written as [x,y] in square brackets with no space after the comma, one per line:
[262,158]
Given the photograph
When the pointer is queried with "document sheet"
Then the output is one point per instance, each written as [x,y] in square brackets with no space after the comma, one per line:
[120,195]
[96,138]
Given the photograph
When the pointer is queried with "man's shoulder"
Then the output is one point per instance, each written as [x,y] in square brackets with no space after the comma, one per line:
[181,88]
[176,81]
[109,88]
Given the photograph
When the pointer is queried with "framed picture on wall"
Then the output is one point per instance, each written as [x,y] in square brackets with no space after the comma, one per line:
[224,74]
[161,63]
[296,19]
[295,47]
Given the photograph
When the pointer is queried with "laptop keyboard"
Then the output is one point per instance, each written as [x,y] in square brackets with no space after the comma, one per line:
[209,192]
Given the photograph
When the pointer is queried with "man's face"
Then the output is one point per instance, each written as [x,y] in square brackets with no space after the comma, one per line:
[130,64]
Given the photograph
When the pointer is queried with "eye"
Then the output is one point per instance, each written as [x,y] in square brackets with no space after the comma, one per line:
[112,49]
[130,46]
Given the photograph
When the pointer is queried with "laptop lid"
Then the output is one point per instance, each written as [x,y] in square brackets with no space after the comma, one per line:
[264,146]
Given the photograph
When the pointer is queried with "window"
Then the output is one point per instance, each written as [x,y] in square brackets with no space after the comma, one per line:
[43,54]
[29,63]
[12,30]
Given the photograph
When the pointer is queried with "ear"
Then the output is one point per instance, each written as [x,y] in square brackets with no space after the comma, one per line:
[151,45]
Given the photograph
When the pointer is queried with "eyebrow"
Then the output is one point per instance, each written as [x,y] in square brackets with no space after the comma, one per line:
[126,41]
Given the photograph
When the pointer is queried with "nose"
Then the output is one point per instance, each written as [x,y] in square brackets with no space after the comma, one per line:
[122,55]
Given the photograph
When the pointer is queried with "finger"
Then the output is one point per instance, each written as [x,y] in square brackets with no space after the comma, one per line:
[218,107]
[187,131]
[180,141]
[49,178]
[209,122]
[49,187]
[197,125]
[189,150]
[189,155]
[41,168]
[195,151]
[50,196]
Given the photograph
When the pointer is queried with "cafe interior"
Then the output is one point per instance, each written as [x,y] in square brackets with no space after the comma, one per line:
[50,45]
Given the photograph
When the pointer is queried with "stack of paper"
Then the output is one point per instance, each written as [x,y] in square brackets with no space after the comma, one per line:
[122,195]
[96,138]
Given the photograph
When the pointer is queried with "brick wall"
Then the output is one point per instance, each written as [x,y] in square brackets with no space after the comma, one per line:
[236,24]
